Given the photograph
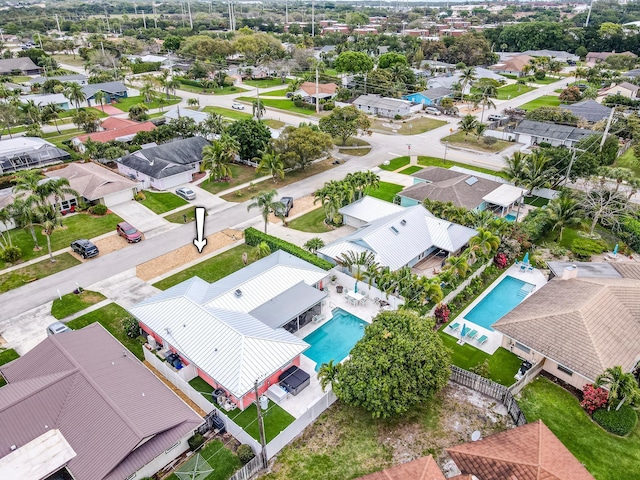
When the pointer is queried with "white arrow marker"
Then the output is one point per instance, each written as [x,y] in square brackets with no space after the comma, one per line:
[200,241]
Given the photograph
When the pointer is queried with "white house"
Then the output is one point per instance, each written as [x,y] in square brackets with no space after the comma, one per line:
[383,106]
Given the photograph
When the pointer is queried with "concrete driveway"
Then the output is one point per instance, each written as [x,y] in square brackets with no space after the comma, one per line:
[205,199]
[142,218]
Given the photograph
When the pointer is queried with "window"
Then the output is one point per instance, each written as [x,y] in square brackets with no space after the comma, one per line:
[565,370]
[521,347]
[394,230]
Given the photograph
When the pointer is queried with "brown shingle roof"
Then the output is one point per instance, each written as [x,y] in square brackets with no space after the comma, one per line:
[326,88]
[529,452]
[101,398]
[91,180]
[585,324]
[513,64]
[424,468]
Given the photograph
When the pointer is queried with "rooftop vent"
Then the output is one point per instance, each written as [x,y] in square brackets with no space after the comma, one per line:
[403,222]
[394,230]
[471,181]
[238,293]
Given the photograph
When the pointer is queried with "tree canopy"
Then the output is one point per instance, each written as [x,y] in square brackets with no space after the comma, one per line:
[253,137]
[301,146]
[353,62]
[344,122]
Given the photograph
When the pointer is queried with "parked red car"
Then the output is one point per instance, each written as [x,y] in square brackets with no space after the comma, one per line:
[130,233]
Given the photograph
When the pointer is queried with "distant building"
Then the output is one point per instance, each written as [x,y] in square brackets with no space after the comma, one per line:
[513,66]
[23,65]
[588,110]
[625,89]
[75,78]
[598,57]
[432,96]
[382,106]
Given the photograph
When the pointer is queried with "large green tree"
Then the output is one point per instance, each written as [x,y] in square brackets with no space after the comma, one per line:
[353,62]
[300,146]
[344,122]
[253,137]
[399,363]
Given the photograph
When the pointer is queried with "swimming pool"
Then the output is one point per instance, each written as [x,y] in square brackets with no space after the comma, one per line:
[498,302]
[510,217]
[335,339]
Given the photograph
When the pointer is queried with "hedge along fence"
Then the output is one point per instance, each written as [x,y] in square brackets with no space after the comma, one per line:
[253,237]
[143,67]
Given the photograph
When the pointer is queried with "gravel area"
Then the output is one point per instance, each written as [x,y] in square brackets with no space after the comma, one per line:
[176,390]
[105,245]
[300,206]
[183,255]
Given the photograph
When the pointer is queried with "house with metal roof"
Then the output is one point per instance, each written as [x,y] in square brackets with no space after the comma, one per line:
[402,239]
[382,106]
[45,99]
[432,96]
[530,132]
[239,329]
[583,321]
[367,209]
[164,166]
[80,405]
[588,110]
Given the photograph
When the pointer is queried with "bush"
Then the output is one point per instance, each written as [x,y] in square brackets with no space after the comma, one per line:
[481,369]
[397,117]
[245,454]
[442,314]
[489,140]
[593,398]
[11,254]
[254,237]
[99,209]
[140,196]
[144,67]
[539,75]
[630,232]
[131,327]
[500,260]
[195,441]
[619,422]
[585,247]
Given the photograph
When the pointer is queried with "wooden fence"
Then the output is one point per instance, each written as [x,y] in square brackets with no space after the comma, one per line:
[491,389]
[530,375]
[254,466]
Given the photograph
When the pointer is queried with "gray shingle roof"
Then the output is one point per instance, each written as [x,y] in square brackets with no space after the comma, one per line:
[380,102]
[104,402]
[107,87]
[590,110]
[552,130]
[61,78]
[437,92]
[21,63]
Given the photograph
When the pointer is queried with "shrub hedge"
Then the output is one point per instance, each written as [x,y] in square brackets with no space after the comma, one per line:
[253,237]
[630,232]
[144,67]
[618,422]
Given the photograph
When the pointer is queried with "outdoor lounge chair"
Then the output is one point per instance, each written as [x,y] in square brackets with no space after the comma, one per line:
[472,334]
[454,326]
[482,340]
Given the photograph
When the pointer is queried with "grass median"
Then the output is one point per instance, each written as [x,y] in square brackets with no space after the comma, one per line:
[36,271]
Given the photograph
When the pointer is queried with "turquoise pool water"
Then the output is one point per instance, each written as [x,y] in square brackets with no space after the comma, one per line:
[335,339]
[498,302]
[510,217]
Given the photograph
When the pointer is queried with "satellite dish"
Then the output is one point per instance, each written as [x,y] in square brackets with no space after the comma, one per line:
[475,436]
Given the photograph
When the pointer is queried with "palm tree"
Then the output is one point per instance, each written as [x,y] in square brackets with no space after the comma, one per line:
[328,374]
[271,164]
[261,250]
[484,242]
[331,196]
[100,97]
[314,244]
[480,129]
[361,261]
[22,211]
[48,227]
[5,218]
[515,168]
[258,109]
[468,124]
[264,202]
[622,386]
[486,102]
[218,156]
[51,113]
[147,91]
[564,211]
[51,192]
[457,265]
[467,77]
[536,171]
[31,111]
[214,124]
[75,94]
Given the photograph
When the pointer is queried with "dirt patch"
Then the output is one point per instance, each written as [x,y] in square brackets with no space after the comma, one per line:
[105,245]
[176,390]
[183,255]
[300,205]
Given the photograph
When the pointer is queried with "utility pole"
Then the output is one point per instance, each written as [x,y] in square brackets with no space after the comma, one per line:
[102,45]
[566,177]
[106,16]
[263,440]
[190,18]
[286,12]
[57,23]
[606,130]
[144,19]
[155,16]
[313,29]
[317,91]
[586,24]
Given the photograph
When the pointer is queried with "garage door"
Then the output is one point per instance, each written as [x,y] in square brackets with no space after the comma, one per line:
[118,197]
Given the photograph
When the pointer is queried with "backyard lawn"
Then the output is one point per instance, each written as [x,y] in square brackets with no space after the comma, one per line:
[267,82]
[125,104]
[406,127]
[543,101]
[110,317]
[395,163]
[6,356]
[275,420]
[210,270]
[386,191]
[222,460]
[513,90]
[471,141]
[229,113]
[159,202]
[202,387]
[239,174]
[605,455]
[44,268]
[282,104]
[439,162]
[72,303]
[411,169]
[536,201]
[628,160]
[74,60]
[312,222]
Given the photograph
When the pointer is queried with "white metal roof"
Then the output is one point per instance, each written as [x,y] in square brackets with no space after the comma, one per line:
[504,195]
[368,209]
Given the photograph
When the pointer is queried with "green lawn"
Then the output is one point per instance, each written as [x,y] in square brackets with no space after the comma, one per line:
[72,112]
[222,460]
[439,162]
[395,164]
[406,127]
[545,81]
[110,317]
[543,101]
[513,90]
[178,217]
[74,60]
[239,174]
[355,152]
[230,113]
[275,93]
[282,104]
[570,234]
[472,142]
[199,385]
[386,191]
[19,78]
[628,160]
[503,364]
[72,303]
[44,268]
[125,104]
[226,90]
[275,124]
[267,82]
[410,170]
[162,202]
[210,270]
[606,456]
[536,201]
[76,226]
[6,356]
[275,420]
[312,222]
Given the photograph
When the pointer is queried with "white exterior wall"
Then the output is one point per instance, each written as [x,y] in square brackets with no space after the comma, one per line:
[163,459]
[172,181]
[10,226]
[352,221]
[118,197]
[507,136]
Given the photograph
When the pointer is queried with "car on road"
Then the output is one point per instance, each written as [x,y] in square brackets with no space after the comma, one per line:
[84,248]
[237,106]
[288,205]
[433,111]
[130,233]
[497,117]
[57,327]
[186,193]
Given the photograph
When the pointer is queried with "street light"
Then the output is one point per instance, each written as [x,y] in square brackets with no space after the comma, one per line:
[444,160]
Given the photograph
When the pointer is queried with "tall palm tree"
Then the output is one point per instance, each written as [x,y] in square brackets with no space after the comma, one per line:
[5,219]
[564,211]
[22,211]
[537,171]
[264,201]
[31,111]
[48,226]
[467,77]
[328,374]
[258,109]
[468,124]
[314,244]
[218,156]
[271,163]
[361,261]
[332,196]
[100,97]
[486,103]
[75,94]
[622,385]
[515,168]
[457,265]
[51,113]
[484,242]
[147,91]
[214,124]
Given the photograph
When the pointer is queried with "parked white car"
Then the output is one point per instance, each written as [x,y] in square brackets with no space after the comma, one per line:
[237,106]
[433,111]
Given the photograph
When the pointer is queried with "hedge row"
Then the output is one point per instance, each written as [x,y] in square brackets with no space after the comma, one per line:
[144,67]
[191,83]
[619,422]
[253,237]
[630,232]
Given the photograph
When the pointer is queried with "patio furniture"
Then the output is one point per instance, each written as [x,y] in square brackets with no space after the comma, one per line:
[454,326]
[523,267]
[339,288]
[530,269]
[354,297]
[472,334]
[482,340]
[318,318]
[294,380]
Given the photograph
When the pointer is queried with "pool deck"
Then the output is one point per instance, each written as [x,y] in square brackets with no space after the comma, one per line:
[494,341]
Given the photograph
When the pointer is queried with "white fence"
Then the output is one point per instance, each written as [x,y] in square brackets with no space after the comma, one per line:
[527,378]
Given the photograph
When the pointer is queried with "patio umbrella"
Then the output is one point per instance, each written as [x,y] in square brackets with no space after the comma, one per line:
[526,258]
[355,287]
[615,250]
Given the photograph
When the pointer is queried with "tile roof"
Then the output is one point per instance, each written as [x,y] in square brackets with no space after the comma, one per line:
[124,133]
[423,468]
[585,324]
[446,185]
[116,415]
[529,452]
[92,181]
[590,110]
